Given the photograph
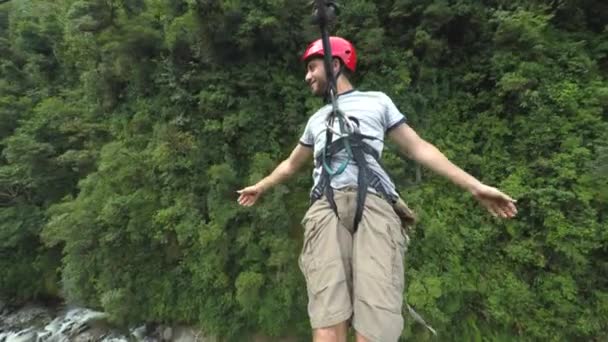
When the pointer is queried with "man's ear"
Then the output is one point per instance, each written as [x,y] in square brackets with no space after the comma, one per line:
[336,64]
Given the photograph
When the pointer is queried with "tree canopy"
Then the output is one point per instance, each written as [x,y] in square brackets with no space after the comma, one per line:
[127,125]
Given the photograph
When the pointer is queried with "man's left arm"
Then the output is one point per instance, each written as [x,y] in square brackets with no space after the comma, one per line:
[416,148]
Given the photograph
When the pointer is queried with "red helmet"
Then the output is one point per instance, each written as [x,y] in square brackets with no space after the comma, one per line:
[340,48]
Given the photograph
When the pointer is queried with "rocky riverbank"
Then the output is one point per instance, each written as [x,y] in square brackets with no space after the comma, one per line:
[39,323]
[36,322]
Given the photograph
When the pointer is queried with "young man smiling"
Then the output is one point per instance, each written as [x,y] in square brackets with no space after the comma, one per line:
[353,259]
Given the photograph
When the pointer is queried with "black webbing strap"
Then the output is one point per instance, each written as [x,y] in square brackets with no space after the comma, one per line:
[362,183]
[356,139]
[365,179]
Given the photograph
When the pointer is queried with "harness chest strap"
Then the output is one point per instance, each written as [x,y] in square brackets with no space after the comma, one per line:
[366,178]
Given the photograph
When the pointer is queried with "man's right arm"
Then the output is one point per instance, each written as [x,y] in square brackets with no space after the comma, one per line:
[287,168]
[297,158]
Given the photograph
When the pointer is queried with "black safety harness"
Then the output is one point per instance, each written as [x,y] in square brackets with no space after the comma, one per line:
[367,177]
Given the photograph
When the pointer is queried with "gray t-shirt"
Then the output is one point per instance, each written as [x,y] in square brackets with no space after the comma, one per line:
[375,113]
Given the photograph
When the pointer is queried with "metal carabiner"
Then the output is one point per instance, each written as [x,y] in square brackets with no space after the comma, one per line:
[334,131]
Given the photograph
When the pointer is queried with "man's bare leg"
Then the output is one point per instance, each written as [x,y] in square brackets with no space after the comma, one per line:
[335,333]
[360,338]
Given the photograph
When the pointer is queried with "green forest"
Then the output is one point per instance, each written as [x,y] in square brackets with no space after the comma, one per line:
[126,127]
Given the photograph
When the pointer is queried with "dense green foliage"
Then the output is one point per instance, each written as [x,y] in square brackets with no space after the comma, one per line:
[127,125]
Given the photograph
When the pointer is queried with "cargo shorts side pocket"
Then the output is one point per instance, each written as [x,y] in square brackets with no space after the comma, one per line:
[306,259]
[400,242]
[309,228]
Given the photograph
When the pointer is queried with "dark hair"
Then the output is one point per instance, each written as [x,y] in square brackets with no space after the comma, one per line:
[347,73]
[344,70]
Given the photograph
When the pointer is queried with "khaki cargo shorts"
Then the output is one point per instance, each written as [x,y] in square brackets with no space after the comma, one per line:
[356,276]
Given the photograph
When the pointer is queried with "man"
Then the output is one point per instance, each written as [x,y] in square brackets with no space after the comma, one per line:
[353,260]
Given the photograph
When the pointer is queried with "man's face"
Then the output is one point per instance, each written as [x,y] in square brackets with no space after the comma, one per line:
[315,76]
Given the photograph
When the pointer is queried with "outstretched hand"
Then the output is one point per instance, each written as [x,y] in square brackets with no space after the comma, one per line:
[498,203]
[249,195]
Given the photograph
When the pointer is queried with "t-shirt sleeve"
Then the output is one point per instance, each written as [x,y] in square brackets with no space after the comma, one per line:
[392,116]
[307,139]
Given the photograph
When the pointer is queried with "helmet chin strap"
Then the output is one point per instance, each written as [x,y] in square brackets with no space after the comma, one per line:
[326,94]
